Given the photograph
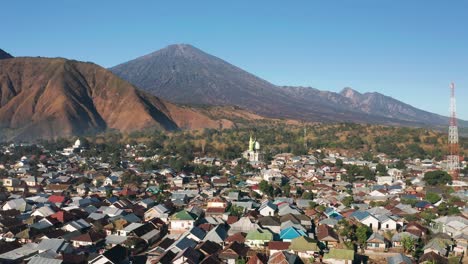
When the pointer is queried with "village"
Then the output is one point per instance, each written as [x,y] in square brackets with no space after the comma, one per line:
[63,207]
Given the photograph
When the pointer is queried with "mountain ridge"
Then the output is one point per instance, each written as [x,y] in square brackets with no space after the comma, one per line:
[184,74]
[56,97]
[5,55]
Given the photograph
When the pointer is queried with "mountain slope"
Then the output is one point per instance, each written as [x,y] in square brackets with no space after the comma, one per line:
[47,98]
[185,74]
[4,55]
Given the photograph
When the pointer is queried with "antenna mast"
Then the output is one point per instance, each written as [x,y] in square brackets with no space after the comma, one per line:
[453,159]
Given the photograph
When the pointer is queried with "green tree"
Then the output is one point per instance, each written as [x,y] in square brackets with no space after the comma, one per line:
[236,210]
[339,163]
[347,230]
[347,201]
[428,216]
[286,189]
[408,244]
[307,195]
[437,177]
[266,188]
[362,234]
[400,165]
[432,197]
[368,156]
[381,169]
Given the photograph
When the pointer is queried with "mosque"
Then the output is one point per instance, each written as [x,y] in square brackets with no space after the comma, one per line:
[253,154]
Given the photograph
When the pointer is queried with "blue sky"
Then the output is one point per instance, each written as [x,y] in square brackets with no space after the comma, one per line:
[410,50]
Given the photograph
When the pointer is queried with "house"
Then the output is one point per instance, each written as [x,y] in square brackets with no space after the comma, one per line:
[11,183]
[188,255]
[20,254]
[217,235]
[432,257]
[285,209]
[376,241]
[43,211]
[304,247]
[83,188]
[111,180]
[367,219]
[416,229]
[244,224]
[43,260]
[158,211]
[271,223]
[183,243]
[398,238]
[339,256]
[283,257]
[387,222]
[116,255]
[77,225]
[233,252]
[275,246]
[258,238]
[291,233]
[19,204]
[90,238]
[267,208]
[327,236]
[399,259]
[439,245]
[54,245]
[182,221]
[461,242]
[196,233]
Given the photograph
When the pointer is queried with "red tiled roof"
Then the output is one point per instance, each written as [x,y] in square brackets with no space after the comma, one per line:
[278,245]
[239,237]
[326,233]
[232,219]
[91,236]
[56,198]
[256,259]
[62,216]
[215,210]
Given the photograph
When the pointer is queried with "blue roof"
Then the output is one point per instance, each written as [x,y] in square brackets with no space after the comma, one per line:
[378,187]
[422,204]
[360,215]
[112,199]
[409,196]
[291,233]
[185,243]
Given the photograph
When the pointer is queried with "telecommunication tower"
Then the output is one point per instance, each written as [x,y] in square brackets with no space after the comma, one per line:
[453,159]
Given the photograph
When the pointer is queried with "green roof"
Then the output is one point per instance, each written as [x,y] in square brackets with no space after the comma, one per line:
[183,215]
[263,234]
[304,244]
[336,253]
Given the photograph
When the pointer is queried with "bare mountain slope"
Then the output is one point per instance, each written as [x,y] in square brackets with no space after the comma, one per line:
[4,55]
[47,98]
[185,74]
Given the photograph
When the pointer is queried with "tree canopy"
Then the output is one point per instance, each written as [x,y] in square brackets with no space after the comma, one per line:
[437,177]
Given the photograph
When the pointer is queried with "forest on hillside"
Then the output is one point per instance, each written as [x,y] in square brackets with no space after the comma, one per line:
[353,139]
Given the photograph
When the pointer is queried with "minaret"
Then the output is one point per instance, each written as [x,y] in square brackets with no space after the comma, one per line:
[251,143]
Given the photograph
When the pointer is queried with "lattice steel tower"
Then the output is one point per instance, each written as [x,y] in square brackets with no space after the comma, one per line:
[453,159]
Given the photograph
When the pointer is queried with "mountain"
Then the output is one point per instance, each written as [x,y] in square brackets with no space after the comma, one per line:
[184,74]
[4,55]
[48,98]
